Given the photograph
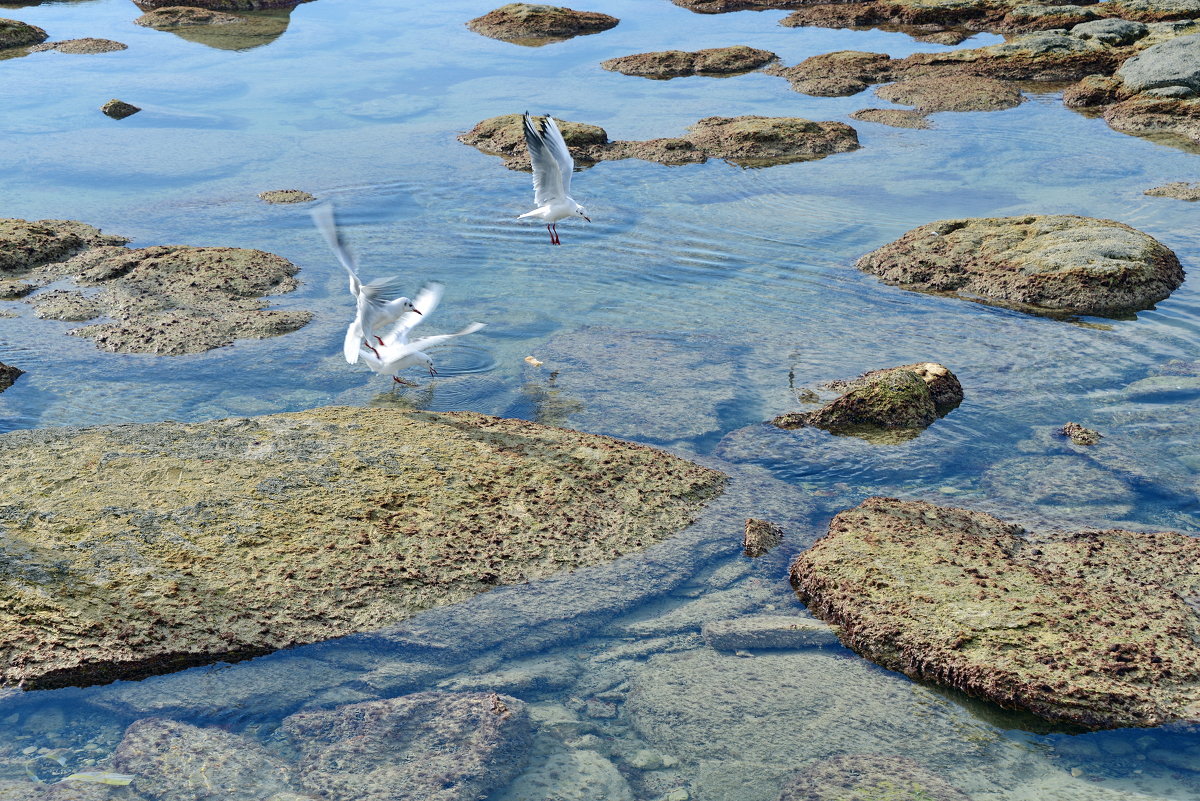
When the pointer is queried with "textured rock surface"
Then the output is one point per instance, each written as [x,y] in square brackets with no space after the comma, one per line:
[178,762]
[294,528]
[677,63]
[428,746]
[534,24]
[869,777]
[219,5]
[181,16]
[1079,434]
[165,300]
[286,196]
[8,375]
[892,404]
[1060,485]
[1157,117]
[1180,190]
[749,141]
[760,537]
[1111,31]
[14,33]
[119,109]
[767,632]
[87,46]
[1088,627]
[897,118]
[1175,62]
[843,72]
[952,93]
[1059,263]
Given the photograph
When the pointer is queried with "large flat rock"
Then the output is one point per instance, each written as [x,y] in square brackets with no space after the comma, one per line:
[1041,263]
[1095,628]
[140,549]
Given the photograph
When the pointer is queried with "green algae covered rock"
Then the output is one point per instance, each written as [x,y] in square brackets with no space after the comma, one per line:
[141,549]
[1086,627]
[1039,263]
[14,33]
[535,24]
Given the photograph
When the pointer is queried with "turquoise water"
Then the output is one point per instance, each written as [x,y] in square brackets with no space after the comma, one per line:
[691,309]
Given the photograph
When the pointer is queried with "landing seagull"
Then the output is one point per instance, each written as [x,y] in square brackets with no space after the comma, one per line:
[552,167]
[379,302]
[396,352]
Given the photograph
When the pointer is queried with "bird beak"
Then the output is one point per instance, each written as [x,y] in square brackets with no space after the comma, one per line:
[589,219]
[418,311]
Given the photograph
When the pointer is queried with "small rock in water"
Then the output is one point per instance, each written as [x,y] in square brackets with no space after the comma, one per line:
[14,33]
[119,109]
[1080,435]
[535,24]
[182,16]
[286,196]
[895,117]
[1180,190]
[760,537]
[84,47]
[8,374]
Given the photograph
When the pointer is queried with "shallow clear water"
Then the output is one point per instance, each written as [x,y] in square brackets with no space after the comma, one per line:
[699,299]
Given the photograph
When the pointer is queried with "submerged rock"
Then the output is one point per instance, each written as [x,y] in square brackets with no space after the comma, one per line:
[9,375]
[119,109]
[1049,264]
[897,118]
[678,63]
[81,46]
[900,400]
[747,141]
[1060,485]
[14,33]
[1085,627]
[430,746]
[166,300]
[286,196]
[767,632]
[294,528]
[535,24]
[181,762]
[1180,190]
[167,17]
[869,776]
[1079,435]
[760,537]
[951,93]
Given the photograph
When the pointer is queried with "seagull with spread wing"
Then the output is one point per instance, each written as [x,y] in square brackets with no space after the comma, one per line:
[379,302]
[396,351]
[552,168]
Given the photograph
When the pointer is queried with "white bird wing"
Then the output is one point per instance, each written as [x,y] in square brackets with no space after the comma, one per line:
[353,344]
[426,301]
[383,290]
[558,149]
[322,216]
[549,180]
[427,342]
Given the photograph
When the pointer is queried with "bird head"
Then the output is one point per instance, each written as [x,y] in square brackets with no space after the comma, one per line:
[580,211]
[409,307]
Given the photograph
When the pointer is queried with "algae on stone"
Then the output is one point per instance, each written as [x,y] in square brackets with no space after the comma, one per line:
[294,528]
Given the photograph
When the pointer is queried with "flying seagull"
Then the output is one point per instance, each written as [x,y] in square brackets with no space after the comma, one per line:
[379,302]
[396,351]
[552,167]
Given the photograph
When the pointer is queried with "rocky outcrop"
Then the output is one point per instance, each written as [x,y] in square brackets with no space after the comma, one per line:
[760,537]
[896,118]
[893,404]
[1173,63]
[167,17]
[535,24]
[430,746]
[84,47]
[1042,264]
[869,776]
[286,196]
[119,109]
[294,528]
[8,375]
[14,33]
[747,141]
[933,93]
[167,300]
[1085,627]
[219,5]
[1180,190]
[678,63]
[843,72]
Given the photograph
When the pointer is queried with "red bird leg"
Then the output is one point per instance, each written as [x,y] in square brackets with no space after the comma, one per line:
[372,347]
[380,341]
[550,231]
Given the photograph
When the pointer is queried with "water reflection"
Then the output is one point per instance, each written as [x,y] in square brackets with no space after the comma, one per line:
[254,29]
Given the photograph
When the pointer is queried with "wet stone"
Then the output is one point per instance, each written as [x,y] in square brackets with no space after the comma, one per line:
[760,537]
[575,775]
[119,109]
[930,94]
[1063,485]
[8,375]
[1081,627]
[534,24]
[1079,435]
[677,63]
[286,196]
[182,16]
[1180,190]
[869,776]
[81,46]
[896,118]
[767,632]
[14,33]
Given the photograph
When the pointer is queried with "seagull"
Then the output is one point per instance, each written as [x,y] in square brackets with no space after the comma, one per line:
[379,302]
[552,168]
[396,352]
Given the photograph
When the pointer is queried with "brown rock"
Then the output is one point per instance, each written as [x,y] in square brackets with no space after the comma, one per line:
[951,93]
[119,109]
[1042,264]
[677,63]
[760,537]
[1079,435]
[868,776]
[1086,627]
[430,746]
[8,375]
[1179,190]
[14,33]
[1093,91]
[182,16]
[286,196]
[534,25]
[844,72]
[1157,117]
[897,118]
[81,46]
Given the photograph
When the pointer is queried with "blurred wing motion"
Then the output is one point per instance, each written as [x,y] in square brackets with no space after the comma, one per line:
[551,161]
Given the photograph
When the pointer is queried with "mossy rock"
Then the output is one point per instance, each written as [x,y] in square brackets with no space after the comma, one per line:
[141,549]
[678,63]
[537,24]
[1091,628]
[14,33]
